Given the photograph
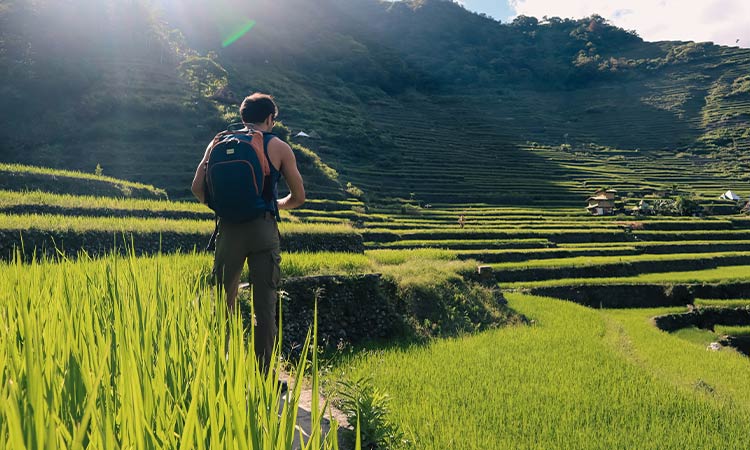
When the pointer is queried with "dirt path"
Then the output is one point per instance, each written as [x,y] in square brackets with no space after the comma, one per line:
[304,416]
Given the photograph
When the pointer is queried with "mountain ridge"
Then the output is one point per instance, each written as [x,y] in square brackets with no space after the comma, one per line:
[392,89]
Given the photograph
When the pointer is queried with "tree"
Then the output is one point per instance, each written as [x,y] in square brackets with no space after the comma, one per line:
[525,22]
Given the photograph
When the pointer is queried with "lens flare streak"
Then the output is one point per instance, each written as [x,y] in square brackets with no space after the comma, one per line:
[232,38]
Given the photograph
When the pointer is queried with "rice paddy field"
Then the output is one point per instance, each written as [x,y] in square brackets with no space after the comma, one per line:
[131,353]
[531,325]
[578,378]
[121,351]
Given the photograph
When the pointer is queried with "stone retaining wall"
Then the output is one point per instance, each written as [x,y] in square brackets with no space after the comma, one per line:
[642,295]
[705,318]
[351,309]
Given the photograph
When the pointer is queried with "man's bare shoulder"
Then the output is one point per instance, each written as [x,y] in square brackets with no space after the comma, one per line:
[280,153]
[277,144]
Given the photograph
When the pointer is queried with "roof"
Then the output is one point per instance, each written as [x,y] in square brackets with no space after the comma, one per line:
[301,134]
[599,197]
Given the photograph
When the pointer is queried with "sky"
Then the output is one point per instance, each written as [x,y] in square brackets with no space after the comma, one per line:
[719,21]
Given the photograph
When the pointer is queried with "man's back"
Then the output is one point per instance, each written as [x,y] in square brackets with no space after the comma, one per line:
[256,242]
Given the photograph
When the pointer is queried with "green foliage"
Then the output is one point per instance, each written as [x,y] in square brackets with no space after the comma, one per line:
[740,86]
[682,205]
[723,274]
[717,303]
[307,157]
[368,407]
[525,377]
[736,331]
[375,95]
[598,260]
[687,52]
[204,74]
[102,348]
[282,131]
[396,257]
[10,199]
[15,177]
[324,263]
[696,335]
[354,191]
[136,225]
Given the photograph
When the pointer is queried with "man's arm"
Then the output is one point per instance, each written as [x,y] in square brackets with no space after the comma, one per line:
[199,180]
[292,176]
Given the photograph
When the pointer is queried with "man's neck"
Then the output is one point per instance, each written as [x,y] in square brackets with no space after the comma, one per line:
[257,126]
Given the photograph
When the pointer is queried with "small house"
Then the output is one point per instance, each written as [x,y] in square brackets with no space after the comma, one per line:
[311,135]
[729,195]
[602,203]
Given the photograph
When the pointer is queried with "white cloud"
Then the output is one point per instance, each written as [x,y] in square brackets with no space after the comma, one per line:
[720,21]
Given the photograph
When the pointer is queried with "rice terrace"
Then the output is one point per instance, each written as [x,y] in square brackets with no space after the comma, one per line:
[530,233]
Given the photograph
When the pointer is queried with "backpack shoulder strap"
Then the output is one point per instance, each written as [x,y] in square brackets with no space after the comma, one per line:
[258,143]
[266,140]
[268,188]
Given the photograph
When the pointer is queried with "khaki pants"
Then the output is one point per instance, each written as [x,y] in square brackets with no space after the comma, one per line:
[256,242]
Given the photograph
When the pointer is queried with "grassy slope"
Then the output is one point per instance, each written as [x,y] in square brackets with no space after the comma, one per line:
[20,177]
[566,382]
[149,119]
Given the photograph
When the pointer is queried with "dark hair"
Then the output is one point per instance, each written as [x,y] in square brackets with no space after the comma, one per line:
[257,107]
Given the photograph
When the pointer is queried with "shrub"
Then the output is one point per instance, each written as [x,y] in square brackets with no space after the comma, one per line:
[354,191]
[361,401]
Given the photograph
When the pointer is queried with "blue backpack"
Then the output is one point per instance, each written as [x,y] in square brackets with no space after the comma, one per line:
[238,175]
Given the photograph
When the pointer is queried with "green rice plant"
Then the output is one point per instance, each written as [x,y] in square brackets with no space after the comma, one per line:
[683,363]
[427,272]
[40,198]
[720,303]
[322,219]
[722,274]
[393,257]
[131,353]
[464,243]
[578,378]
[584,261]
[135,224]
[696,335]
[4,167]
[324,263]
[82,223]
[737,331]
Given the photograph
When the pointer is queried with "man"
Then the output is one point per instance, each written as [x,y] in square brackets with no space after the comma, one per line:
[256,241]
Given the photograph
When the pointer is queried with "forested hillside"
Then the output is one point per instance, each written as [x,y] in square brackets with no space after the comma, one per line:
[420,99]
